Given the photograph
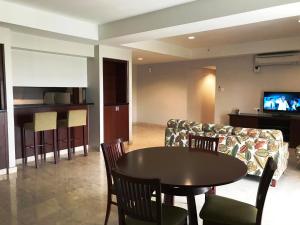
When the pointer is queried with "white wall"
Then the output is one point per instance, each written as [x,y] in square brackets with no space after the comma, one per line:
[42,20]
[51,45]
[161,94]
[39,69]
[5,39]
[174,91]
[93,95]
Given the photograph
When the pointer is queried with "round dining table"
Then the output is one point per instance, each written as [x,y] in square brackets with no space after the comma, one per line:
[183,172]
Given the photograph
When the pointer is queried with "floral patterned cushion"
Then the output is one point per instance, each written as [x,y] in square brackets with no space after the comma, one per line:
[251,132]
[184,124]
[176,137]
[208,127]
[271,134]
[222,129]
[252,146]
[298,154]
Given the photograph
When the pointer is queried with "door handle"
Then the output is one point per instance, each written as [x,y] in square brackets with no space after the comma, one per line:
[117,108]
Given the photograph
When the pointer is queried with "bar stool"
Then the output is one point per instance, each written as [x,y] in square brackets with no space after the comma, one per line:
[75,118]
[42,121]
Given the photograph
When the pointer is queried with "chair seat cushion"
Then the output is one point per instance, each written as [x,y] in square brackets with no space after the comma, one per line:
[171,215]
[221,210]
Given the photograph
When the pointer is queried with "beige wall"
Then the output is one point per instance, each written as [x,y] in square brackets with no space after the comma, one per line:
[244,89]
[174,92]
[163,94]
[134,93]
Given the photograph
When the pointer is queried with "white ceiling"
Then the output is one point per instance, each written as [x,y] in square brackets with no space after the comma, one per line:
[152,57]
[274,29]
[100,11]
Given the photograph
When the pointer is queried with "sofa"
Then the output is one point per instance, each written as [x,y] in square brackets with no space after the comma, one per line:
[298,154]
[252,146]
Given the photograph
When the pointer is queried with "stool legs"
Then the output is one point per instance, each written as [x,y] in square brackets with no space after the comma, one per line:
[55,146]
[35,149]
[69,142]
[84,142]
[57,143]
[43,150]
[24,155]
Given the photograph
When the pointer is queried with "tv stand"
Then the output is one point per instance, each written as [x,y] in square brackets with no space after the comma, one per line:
[288,124]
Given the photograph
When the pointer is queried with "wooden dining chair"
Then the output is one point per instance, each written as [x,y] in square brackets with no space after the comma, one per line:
[198,143]
[201,143]
[219,210]
[111,152]
[139,202]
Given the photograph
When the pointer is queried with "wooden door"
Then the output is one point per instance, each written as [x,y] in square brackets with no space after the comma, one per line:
[109,123]
[122,119]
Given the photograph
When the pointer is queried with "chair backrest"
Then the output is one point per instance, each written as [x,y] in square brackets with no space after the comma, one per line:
[203,143]
[112,152]
[263,187]
[77,117]
[43,121]
[134,198]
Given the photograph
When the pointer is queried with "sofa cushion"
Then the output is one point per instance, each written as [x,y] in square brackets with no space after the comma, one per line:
[176,137]
[208,127]
[271,135]
[298,154]
[184,124]
[251,132]
[222,129]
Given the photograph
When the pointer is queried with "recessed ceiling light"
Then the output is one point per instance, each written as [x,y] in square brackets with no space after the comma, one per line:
[140,58]
[299,21]
[191,37]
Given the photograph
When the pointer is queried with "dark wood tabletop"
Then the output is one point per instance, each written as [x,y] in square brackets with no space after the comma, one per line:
[183,172]
[179,167]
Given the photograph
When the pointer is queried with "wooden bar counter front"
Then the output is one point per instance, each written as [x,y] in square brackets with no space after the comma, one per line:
[24,113]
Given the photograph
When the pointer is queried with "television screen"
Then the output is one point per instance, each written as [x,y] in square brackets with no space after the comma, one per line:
[282,102]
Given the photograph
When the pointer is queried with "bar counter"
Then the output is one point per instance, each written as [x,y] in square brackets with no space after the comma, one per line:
[24,113]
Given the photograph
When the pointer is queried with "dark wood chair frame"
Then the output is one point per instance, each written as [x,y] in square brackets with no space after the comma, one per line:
[35,146]
[201,143]
[71,141]
[135,198]
[262,191]
[111,152]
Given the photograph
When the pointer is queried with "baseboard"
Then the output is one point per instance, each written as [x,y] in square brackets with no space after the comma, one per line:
[51,155]
[149,124]
[4,172]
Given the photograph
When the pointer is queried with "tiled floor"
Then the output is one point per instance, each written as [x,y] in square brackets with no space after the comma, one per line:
[74,192]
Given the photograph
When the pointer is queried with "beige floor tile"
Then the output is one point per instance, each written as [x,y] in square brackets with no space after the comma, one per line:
[74,192]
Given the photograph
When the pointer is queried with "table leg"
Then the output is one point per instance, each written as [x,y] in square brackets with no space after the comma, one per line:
[192,209]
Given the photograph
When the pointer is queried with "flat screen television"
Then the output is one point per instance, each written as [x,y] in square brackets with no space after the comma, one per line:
[281,102]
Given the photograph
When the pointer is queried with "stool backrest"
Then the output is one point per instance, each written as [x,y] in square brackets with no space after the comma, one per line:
[77,117]
[44,121]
